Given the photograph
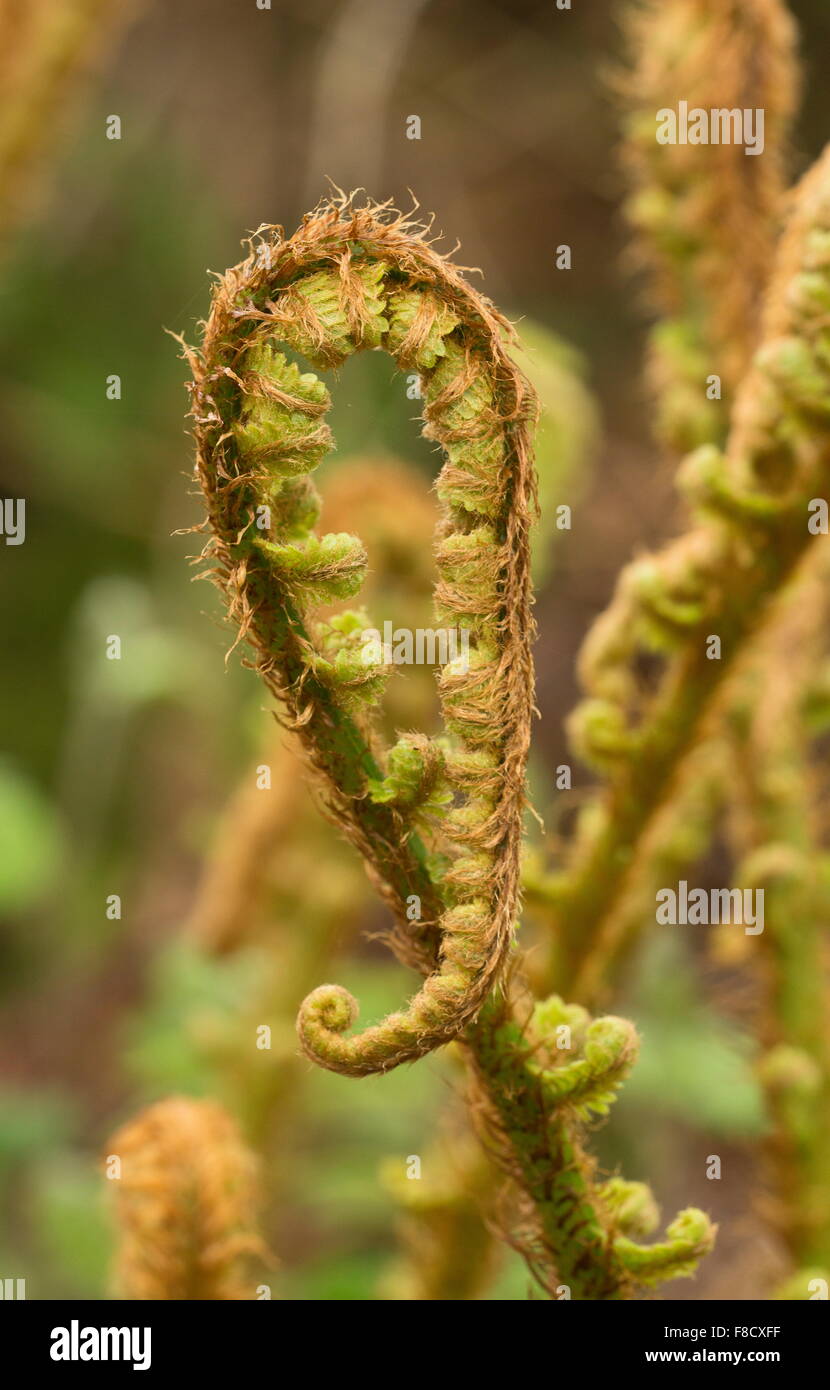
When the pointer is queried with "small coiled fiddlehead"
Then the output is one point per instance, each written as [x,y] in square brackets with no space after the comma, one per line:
[353,279]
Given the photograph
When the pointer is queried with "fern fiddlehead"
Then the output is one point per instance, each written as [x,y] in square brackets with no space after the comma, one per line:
[351,279]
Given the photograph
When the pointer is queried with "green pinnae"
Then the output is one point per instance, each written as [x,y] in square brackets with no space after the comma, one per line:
[631,1205]
[791,363]
[320,569]
[294,507]
[331,324]
[689,1237]
[405,312]
[279,420]
[415,777]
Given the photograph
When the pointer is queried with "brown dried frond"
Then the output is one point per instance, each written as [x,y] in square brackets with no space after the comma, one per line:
[185,1204]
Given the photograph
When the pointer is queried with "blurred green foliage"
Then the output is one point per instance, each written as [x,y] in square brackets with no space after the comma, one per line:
[113,773]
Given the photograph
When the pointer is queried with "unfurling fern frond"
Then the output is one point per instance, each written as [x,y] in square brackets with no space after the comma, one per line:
[352,279]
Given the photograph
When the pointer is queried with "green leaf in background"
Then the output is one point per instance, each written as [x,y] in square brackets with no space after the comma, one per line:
[32,1122]
[30,841]
[192,999]
[693,1063]
[72,1225]
[568,434]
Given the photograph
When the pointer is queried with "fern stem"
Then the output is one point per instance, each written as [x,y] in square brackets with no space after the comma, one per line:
[532,1097]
